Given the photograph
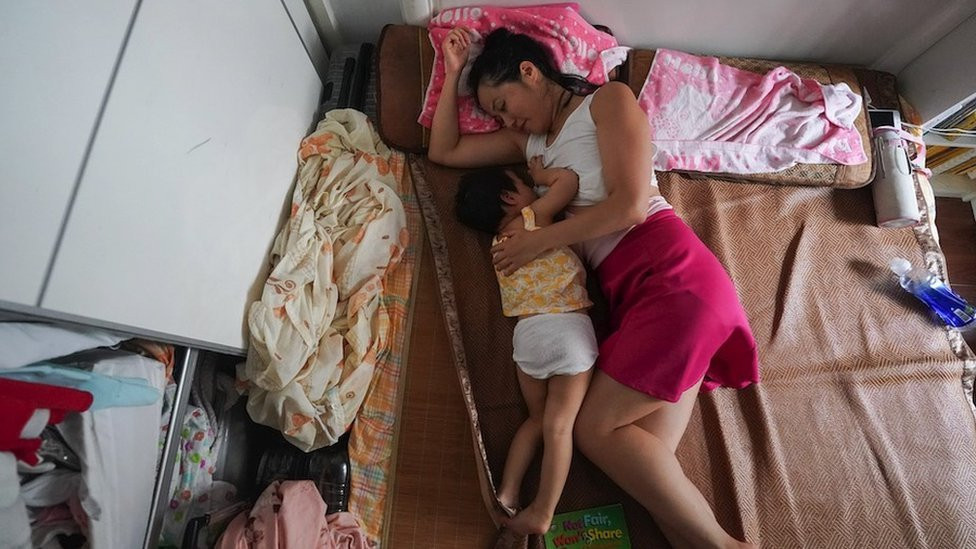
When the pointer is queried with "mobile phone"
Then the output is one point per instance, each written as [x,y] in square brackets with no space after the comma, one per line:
[884,117]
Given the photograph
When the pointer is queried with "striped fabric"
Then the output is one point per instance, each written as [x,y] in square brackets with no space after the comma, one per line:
[372,441]
[954,160]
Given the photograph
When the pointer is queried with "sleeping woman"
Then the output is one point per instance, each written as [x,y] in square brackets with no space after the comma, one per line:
[677,326]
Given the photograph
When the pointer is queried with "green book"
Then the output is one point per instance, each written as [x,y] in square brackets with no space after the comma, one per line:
[595,528]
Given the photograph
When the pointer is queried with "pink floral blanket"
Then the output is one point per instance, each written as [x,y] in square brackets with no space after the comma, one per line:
[710,117]
[576,47]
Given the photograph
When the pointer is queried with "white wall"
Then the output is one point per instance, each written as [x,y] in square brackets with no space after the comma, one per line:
[944,76]
[357,20]
[325,22]
[884,34]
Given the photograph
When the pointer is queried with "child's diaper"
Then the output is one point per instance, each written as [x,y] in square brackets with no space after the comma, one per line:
[554,344]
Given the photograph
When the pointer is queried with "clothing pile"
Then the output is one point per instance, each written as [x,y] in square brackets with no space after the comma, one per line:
[292,514]
[194,490]
[77,461]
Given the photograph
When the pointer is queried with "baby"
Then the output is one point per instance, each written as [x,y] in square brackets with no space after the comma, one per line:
[554,344]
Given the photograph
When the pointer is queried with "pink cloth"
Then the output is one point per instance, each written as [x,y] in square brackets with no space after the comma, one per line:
[706,116]
[576,47]
[291,514]
[675,317]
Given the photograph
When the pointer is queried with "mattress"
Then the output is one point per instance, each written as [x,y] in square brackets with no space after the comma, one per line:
[862,431]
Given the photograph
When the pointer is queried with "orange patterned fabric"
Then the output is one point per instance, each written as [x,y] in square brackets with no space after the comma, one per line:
[320,326]
[554,282]
[371,442]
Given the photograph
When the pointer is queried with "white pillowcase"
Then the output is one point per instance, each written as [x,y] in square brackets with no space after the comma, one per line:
[23,343]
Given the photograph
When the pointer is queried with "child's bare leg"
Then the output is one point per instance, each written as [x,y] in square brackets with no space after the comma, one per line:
[562,404]
[526,440]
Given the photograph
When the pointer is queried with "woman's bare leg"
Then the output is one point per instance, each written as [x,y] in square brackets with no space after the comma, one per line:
[617,432]
[668,423]
[526,440]
[562,404]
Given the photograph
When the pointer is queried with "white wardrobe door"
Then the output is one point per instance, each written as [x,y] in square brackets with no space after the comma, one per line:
[56,59]
[190,171]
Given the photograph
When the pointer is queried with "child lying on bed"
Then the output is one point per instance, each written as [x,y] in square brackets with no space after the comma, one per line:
[554,344]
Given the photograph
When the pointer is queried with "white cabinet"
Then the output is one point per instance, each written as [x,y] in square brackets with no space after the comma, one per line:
[56,59]
[147,155]
[189,173]
[149,151]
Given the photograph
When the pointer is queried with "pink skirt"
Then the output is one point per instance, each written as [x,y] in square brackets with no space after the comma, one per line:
[674,315]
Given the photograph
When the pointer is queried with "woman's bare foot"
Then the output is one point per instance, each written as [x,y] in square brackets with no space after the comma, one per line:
[530,520]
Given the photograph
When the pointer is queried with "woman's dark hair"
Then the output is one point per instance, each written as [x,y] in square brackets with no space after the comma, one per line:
[478,202]
[505,50]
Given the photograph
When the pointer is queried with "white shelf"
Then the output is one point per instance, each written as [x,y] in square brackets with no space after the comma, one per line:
[933,139]
[954,186]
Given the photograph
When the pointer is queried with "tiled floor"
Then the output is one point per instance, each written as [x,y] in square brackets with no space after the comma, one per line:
[436,498]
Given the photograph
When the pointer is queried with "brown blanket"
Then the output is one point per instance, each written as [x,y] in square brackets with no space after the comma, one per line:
[862,431]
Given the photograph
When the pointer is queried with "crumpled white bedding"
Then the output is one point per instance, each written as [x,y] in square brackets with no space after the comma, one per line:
[319,326]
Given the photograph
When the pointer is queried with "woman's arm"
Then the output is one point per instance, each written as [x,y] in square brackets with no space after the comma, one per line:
[447,145]
[624,139]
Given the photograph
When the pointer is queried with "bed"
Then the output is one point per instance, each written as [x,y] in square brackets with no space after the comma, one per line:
[862,430]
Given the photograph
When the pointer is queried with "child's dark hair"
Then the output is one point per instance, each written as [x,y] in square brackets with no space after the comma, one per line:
[478,202]
[505,50]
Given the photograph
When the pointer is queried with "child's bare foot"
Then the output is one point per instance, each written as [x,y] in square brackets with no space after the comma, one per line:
[530,520]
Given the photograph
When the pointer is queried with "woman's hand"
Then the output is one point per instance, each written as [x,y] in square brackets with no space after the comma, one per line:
[456,45]
[517,248]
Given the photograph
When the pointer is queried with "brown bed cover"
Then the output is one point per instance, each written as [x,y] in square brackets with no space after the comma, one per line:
[862,431]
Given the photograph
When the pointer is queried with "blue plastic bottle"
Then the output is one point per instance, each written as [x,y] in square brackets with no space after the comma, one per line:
[952,309]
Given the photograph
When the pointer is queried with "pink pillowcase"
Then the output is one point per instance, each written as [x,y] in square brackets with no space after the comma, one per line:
[576,47]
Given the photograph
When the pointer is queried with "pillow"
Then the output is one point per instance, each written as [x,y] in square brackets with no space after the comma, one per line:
[576,46]
[404,67]
[28,342]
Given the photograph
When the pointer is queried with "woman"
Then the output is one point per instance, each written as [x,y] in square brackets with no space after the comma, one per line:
[676,324]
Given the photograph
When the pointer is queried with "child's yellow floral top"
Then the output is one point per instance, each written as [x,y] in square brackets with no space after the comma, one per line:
[554,282]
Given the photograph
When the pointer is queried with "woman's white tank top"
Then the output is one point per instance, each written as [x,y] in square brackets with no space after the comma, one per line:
[575,147]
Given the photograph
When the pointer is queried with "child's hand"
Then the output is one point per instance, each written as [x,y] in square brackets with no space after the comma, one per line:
[537,171]
[456,45]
